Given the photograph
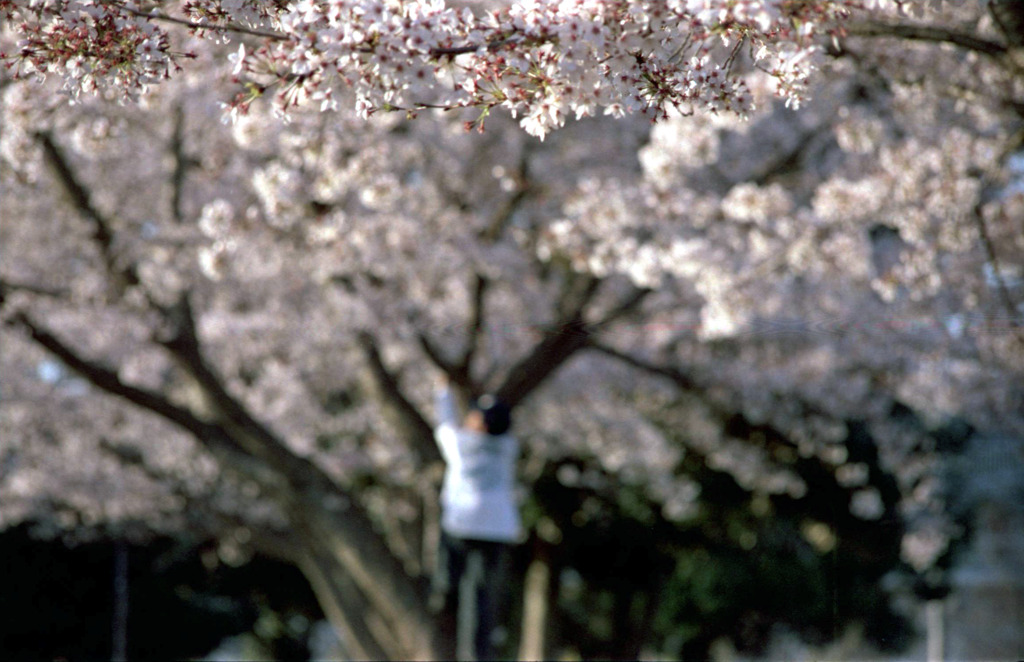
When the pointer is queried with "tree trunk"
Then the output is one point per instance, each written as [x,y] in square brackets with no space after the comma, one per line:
[362,586]
[341,603]
[536,593]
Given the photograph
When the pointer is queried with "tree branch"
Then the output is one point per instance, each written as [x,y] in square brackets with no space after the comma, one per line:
[625,307]
[814,471]
[680,379]
[298,485]
[927,33]
[107,380]
[228,412]
[414,426]
[561,341]
[476,325]
[993,259]
[103,232]
[155,15]
[508,208]
[576,294]
[460,370]
[434,353]
[8,286]
[181,163]
[1009,18]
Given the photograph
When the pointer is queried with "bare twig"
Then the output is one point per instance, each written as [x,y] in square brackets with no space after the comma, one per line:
[449,51]
[220,27]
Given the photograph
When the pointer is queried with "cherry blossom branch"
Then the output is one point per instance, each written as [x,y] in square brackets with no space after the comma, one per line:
[107,380]
[182,341]
[155,15]
[925,33]
[541,62]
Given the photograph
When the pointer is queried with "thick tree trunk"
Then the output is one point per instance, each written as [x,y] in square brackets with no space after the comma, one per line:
[362,586]
[341,603]
[378,610]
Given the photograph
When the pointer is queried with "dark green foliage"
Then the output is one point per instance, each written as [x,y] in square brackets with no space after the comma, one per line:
[629,581]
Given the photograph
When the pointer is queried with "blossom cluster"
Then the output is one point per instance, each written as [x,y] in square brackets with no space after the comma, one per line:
[90,45]
[542,60]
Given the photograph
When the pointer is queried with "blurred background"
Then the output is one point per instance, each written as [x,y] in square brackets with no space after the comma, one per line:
[767,372]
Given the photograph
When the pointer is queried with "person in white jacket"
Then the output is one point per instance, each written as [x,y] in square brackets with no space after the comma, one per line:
[479,514]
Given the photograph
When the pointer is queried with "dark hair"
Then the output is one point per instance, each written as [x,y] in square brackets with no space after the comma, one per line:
[497,415]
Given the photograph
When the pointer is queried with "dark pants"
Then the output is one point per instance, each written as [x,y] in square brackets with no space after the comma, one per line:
[470,571]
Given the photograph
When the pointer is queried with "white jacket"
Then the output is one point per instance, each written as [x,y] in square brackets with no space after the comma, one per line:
[478,498]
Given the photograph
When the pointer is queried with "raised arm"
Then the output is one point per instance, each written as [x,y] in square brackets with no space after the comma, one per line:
[445,405]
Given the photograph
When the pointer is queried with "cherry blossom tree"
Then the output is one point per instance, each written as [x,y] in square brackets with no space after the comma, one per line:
[790,284]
